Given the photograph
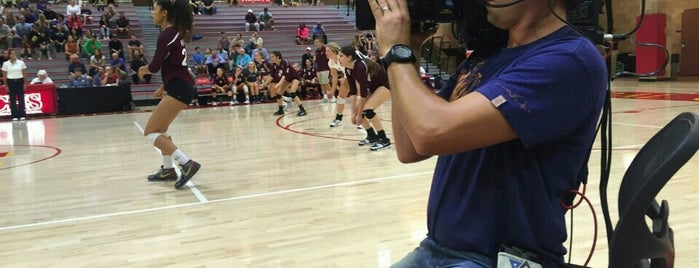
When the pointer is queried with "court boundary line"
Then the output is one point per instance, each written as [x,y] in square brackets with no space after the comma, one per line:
[198,194]
[234,198]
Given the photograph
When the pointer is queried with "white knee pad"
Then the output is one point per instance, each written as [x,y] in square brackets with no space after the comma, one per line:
[340,100]
[150,138]
[245,89]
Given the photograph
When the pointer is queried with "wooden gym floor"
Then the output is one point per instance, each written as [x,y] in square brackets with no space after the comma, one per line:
[273,191]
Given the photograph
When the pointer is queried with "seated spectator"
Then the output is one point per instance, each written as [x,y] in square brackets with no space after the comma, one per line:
[43,23]
[302,35]
[100,5]
[75,23]
[118,62]
[105,32]
[43,45]
[29,15]
[97,61]
[122,25]
[251,19]
[79,79]
[137,61]
[91,45]
[41,78]
[134,45]
[72,8]
[50,14]
[199,61]
[242,59]
[97,78]
[230,63]
[215,61]
[255,41]
[111,12]
[115,46]
[223,42]
[5,35]
[71,48]
[58,38]
[262,50]
[220,84]
[86,13]
[307,56]
[195,6]
[112,3]
[208,7]
[237,42]
[319,31]
[252,79]
[266,20]
[74,65]
[111,77]
[41,5]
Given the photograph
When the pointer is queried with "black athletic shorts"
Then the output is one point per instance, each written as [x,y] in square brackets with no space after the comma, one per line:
[181,90]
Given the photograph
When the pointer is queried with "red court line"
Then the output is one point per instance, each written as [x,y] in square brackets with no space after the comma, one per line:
[655,96]
[58,151]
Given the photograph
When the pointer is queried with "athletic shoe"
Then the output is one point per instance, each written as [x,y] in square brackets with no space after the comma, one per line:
[325,100]
[247,101]
[360,127]
[336,123]
[301,113]
[22,118]
[279,112]
[367,141]
[381,144]
[164,174]
[15,119]
[333,100]
[188,170]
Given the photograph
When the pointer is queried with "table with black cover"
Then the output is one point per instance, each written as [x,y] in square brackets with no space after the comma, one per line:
[87,100]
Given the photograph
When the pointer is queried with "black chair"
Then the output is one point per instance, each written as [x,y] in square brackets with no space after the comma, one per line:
[632,243]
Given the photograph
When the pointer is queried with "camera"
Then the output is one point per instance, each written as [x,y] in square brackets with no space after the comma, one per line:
[424,14]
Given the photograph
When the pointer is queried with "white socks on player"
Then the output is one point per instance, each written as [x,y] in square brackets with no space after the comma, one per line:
[180,157]
[167,162]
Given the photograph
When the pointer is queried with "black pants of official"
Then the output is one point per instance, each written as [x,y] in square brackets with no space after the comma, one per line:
[16,89]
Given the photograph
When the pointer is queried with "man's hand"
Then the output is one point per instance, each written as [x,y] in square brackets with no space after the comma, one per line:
[392,23]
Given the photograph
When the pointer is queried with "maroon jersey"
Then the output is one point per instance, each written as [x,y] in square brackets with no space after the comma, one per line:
[360,74]
[321,59]
[171,56]
[264,68]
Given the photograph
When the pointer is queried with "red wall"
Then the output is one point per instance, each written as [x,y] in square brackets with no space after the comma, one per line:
[649,59]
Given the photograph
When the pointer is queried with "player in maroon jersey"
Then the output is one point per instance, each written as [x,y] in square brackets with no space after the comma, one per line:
[175,19]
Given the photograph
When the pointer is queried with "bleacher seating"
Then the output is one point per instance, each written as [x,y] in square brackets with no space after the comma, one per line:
[228,19]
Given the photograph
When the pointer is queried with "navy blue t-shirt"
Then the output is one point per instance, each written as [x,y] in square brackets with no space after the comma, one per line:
[551,92]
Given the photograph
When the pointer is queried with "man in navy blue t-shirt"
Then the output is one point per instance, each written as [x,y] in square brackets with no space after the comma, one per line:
[513,134]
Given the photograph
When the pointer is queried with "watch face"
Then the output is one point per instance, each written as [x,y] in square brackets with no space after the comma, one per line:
[402,51]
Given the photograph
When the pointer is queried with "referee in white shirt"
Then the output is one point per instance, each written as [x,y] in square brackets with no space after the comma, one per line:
[13,72]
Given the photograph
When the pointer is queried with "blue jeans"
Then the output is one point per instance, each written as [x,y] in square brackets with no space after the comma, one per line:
[431,254]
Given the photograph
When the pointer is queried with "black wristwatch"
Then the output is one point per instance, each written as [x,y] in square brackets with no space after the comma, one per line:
[399,53]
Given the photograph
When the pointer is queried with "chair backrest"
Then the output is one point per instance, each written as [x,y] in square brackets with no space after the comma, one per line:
[657,161]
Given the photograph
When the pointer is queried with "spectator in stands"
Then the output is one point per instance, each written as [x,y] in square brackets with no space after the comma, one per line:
[105,32]
[41,5]
[309,80]
[222,54]
[219,84]
[97,61]
[302,34]
[22,28]
[44,24]
[195,6]
[13,73]
[237,42]
[262,50]
[4,56]
[134,45]
[307,56]
[97,78]
[42,77]
[224,42]
[111,12]
[28,43]
[137,61]
[43,45]
[208,7]
[91,45]
[100,5]
[118,62]
[111,77]
[72,8]
[319,31]
[252,79]
[122,24]
[230,62]
[255,41]
[22,4]
[86,13]
[29,15]
[60,19]
[243,58]
[5,35]
[71,48]
[75,23]
[112,3]
[59,37]
[266,20]
[79,79]
[199,60]
[50,14]
[76,64]
[251,19]
[214,61]
[116,46]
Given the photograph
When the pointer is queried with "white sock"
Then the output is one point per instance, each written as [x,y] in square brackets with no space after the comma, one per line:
[167,162]
[180,157]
